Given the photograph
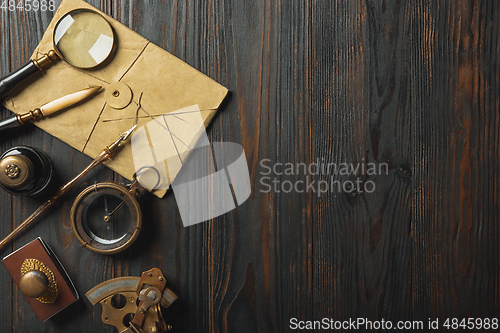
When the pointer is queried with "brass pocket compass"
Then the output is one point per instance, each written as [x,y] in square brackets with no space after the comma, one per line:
[106,218]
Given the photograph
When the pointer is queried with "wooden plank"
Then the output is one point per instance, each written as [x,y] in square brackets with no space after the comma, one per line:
[361,111]
[456,158]
[5,199]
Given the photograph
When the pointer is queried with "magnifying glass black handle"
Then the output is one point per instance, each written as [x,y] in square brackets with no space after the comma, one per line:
[14,80]
[9,124]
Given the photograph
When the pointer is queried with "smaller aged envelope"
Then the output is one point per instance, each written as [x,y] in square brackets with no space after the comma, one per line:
[137,67]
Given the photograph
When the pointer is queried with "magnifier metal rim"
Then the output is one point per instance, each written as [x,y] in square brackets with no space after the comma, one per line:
[56,49]
[96,187]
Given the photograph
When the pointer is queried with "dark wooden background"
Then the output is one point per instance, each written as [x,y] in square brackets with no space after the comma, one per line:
[412,84]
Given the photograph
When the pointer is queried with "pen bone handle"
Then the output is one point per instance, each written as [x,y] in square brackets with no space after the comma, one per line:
[14,80]
[8,124]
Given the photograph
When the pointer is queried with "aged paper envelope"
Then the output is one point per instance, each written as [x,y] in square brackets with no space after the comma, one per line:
[137,67]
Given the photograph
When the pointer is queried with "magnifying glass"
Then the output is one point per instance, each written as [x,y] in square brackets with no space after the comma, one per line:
[82,37]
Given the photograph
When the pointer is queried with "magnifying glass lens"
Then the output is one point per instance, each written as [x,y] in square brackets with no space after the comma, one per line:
[83,38]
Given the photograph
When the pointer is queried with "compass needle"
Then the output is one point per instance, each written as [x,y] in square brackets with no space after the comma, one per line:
[106,211]
[116,209]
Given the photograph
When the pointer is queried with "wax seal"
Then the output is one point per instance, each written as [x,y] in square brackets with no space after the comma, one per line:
[118,95]
[34,284]
[41,279]
[38,281]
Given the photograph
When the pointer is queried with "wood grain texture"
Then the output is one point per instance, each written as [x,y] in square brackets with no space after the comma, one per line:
[363,239]
[414,85]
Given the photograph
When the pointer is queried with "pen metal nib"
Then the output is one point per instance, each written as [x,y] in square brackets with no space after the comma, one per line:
[126,135]
[123,137]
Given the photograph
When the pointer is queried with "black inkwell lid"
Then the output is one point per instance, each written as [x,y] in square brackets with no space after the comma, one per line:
[16,171]
[25,171]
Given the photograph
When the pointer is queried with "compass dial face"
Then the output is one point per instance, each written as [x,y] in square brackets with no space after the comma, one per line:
[106,218]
